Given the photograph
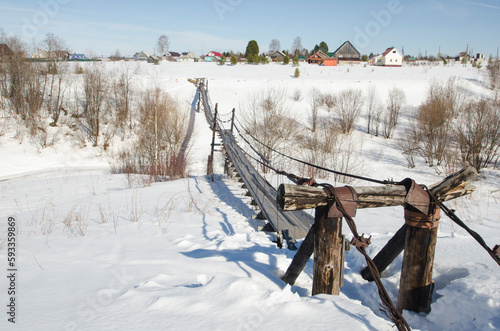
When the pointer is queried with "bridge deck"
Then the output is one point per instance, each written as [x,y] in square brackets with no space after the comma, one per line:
[292,224]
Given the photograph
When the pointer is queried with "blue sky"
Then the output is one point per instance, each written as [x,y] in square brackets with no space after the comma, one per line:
[102,27]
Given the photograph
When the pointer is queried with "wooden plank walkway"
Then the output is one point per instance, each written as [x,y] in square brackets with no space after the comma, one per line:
[292,225]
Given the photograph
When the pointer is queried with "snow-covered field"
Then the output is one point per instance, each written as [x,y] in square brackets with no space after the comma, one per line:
[99,251]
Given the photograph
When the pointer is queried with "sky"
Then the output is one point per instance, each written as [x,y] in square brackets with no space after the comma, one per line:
[102,27]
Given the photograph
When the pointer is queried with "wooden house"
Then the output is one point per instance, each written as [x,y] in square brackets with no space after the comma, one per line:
[346,52]
[322,58]
[390,58]
[141,56]
[5,52]
[40,54]
[187,57]
[172,56]
[153,59]
[277,56]
[213,57]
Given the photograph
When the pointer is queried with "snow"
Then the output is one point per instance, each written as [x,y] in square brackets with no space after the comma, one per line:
[97,250]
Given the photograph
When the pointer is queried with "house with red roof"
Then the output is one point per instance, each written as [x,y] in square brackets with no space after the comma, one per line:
[213,57]
[392,57]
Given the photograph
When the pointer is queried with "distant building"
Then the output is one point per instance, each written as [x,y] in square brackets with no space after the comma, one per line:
[141,56]
[187,57]
[154,59]
[213,57]
[390,58]
[277,56]
[5,52]
[346,53]
[322,58]
[172,56]
[78,57]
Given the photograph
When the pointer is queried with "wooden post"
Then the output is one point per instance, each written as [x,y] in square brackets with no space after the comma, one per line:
[416,285]
[300,259]
[328,243]
[210,167]
[232,120]
[449,188]
[388,254]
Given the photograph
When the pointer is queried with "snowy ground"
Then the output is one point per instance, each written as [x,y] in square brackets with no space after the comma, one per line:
[97,250]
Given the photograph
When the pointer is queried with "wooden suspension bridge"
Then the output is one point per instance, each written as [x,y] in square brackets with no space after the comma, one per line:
[283,209]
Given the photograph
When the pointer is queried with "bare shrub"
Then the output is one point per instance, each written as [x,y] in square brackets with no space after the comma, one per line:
[328,148]
[347,109]
[123,96]
[297,95]
[478,133]
[163,129]
[408,144]
[23,87]
[395,103]
[268,120]
[317,147]
[329,100]
[95,89]
[373,112]
[493,69]
[315,101]
[434,119]
[56,72]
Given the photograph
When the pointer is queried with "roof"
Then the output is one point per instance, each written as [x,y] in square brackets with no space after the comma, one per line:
[5,50]
[346,47]
[215,54]
[321,54]
[390,49]
[277,53]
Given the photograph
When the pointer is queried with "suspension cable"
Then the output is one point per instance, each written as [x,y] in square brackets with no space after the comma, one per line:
[383,182]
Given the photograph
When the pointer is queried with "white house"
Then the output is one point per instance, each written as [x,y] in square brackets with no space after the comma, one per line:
[390,58]
[187,57]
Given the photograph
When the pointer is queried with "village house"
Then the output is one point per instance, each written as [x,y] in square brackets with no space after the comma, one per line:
[5,52]
[277,56]
[141,56]
[187,57]
[154,59]
[172,56]
[346,53]
[213,57]
[322,58]
[392,57]
[76,57]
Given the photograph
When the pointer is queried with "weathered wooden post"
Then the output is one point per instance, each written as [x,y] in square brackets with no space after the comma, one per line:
[422,218]
[328,243]
[210,166]
[293,197]
[232,120]
[453,186]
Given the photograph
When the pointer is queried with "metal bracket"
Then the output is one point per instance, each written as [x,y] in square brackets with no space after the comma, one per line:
[348,198]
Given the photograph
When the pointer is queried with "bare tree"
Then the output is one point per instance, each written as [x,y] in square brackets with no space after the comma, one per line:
[57,74]
[160,137]
[275,45]
[23,87]
[95,87]
[433,123]
[163,44]
[373,111]
[478,133]
[123,94]
[395,103]
[297,46]
[347,109]
[315,102]
[493,69]
[268,120]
